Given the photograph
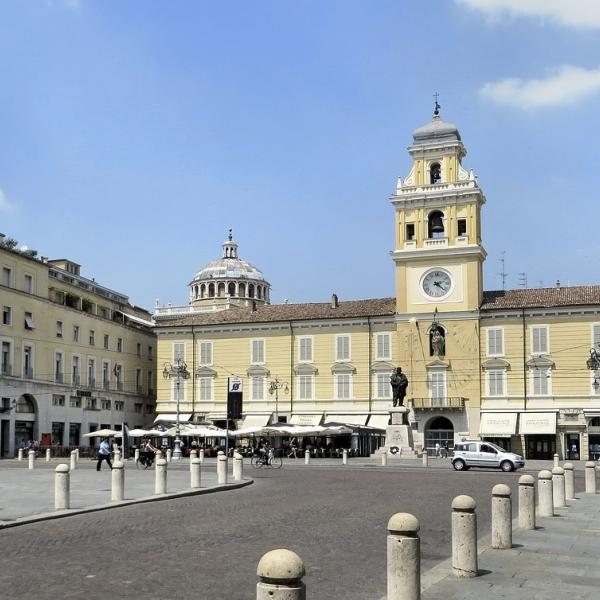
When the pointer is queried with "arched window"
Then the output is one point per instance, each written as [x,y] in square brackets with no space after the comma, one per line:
[259,292]
[202,291]
[438,432]
[211,290]
[251,290]
[196,290]
[242,288]
[436,224]
[231,289]
[435,173]
[25,404]
[221,290]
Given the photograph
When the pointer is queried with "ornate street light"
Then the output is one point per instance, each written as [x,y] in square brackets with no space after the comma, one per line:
[274,387]
[593,364]
[176,371]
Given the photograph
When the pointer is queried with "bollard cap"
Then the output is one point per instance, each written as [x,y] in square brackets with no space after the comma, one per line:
[118,465]
[221,456]
[501,489]
[558,471]
[545,474]
[590,464]
[237,455]
[464,504]
[62,469]
[32,452]
[526,480]
[220,453]
[568,466]
[280,566]
[161,462]
[404,523]
[196,461]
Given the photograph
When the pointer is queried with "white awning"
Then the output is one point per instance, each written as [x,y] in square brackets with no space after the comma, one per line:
[255,421]
[138,320]
[379,421]
[498,424]
[308,420]
[183,417]
[537,423]
[347,419]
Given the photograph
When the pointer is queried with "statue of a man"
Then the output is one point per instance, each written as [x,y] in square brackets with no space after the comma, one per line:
[438,343]
[399,383]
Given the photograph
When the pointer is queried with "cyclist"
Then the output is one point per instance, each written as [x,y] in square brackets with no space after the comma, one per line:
[264,451]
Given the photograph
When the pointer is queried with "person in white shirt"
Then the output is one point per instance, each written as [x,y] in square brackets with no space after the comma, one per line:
[104,454]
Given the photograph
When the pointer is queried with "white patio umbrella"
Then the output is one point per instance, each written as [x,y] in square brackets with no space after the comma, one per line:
[145,433]
[103,433]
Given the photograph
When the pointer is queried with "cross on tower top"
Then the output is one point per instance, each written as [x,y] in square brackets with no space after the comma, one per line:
[436,111]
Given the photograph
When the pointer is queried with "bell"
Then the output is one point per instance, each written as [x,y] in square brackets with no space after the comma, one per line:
[437,225]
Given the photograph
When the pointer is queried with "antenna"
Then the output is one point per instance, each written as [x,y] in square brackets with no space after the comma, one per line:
[503,274]
[523,279]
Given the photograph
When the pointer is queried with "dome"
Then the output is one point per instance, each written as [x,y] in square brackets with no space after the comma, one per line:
[229,268]
[436,130]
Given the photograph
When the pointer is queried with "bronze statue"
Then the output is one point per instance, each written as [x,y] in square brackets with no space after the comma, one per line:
[438,342]
[399,383]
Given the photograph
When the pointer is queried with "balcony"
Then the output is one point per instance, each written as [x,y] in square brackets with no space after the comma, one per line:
[27,373]
[455,404]
[435,243]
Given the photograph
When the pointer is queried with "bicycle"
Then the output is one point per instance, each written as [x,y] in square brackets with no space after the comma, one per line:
[270,460]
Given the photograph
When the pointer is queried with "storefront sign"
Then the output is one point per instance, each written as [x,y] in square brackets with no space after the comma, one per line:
[537,423]
[498,424]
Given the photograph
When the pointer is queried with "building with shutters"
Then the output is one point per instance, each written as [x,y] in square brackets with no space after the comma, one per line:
[507,366]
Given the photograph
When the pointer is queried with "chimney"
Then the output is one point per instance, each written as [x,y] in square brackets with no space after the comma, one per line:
[558,284]
[334,301]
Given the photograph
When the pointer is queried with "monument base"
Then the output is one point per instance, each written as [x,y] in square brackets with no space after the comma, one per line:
[398,436]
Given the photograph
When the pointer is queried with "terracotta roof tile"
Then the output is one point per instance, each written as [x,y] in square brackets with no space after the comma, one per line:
[541,297]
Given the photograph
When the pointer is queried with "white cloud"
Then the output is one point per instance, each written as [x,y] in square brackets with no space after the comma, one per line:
[564,85]
[5,205]
[584,14]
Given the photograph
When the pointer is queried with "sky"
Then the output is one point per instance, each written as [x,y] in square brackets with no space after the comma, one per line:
[134,134]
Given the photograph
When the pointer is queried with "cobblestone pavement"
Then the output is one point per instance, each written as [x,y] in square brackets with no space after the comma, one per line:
[208,546]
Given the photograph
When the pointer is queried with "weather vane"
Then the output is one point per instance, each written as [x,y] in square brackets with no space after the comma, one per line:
[436,112]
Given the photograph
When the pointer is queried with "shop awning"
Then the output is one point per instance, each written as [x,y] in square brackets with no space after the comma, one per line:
[255,421]
[183,417]
[379,421]
[537,423]
[346,419]
[494,424]
[308,420]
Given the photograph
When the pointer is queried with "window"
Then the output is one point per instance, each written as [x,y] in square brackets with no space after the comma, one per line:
[383,389]
[138,349]
[105,404]
[383,347]
[539,339]
[29,321]
[75,333]
[28,284]
[305,349]
[487,449]
[540,382]
[90,403]
[410,231]
[138,407]
[496,382]
[206,388]
[149,409]
[495,341]
[58,367]
[58,400]
[435,173]
[178,351]
[118,371]
[91,372]
[6,315]
[258,352]
[461,227]
[206,351]
[28,361]
[75,369]
[343,386]
[119,405]
[6,358]
[106,341]
[436,224]
[181,389]
[119,344]
[596,336]
[138,380]
[150,350]
[75,402]
[305,387]
[59,329]
[150,382]
[258,388]
[92,337]
[342,347]
[6,276]
[437,386]
[105,375]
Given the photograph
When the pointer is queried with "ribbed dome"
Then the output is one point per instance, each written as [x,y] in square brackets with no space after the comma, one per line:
[229,268]
[436,130]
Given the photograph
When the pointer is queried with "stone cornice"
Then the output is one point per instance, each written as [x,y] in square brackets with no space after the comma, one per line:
[400,256]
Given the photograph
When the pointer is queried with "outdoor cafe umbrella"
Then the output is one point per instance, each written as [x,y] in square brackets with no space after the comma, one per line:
[145,433]
[103,433]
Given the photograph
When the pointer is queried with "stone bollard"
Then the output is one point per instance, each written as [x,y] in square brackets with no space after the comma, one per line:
[501,517]
[526,502]
[160,482]
[169,455]
[384,459]
[159,454]
[556,460]
[31,457]
[569,481]
[61,487]
[545,501]
[221,467]
[403,558]
[73,460]
[558,487]
[77,454]
[307,457]
[48,454]
[136,455]
[193,455]
[238,466]
[20,454]
[464,537]
[201,455]
[344,456]
[118,482]
[425,458]
[280,573]
[195,474]
[116,456]
[590,477]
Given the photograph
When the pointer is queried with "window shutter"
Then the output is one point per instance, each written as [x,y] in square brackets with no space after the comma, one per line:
[258,351]
[383,346]
[306,349]
[540,340]
[343,347]
[179,351]
[495,341]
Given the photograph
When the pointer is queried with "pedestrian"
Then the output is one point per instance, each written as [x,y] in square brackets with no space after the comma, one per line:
[446,449]
[437,449]
[293,448]
[104,454]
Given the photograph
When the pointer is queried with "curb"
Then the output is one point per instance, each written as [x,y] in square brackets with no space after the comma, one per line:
[60,514]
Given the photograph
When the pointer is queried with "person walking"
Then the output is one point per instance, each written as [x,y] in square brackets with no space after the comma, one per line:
[104,454]
[293,448]
[437,449]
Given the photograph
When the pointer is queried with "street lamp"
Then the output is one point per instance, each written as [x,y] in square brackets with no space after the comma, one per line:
[176,371]
[593,364]
[274,387]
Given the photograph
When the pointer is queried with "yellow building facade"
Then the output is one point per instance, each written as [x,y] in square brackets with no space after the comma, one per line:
[507,366]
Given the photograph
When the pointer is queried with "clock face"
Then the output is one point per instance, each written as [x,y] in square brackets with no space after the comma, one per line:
[437,283]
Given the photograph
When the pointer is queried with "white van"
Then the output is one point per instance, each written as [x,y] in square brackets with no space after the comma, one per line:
[475,453]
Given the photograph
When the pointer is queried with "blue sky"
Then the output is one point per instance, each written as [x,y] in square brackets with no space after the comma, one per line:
[133,134]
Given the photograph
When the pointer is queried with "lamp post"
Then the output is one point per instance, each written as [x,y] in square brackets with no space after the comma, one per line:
[274,387]
[593,364]
[176,371]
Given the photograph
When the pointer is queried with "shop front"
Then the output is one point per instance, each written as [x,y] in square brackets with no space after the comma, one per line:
[593,430]
[498,428]
[539,430]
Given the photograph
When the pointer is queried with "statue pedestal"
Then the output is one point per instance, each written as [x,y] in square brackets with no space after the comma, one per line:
[399,415]
[398,436]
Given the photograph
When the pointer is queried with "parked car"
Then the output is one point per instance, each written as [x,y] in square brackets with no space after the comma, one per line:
[475,453]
